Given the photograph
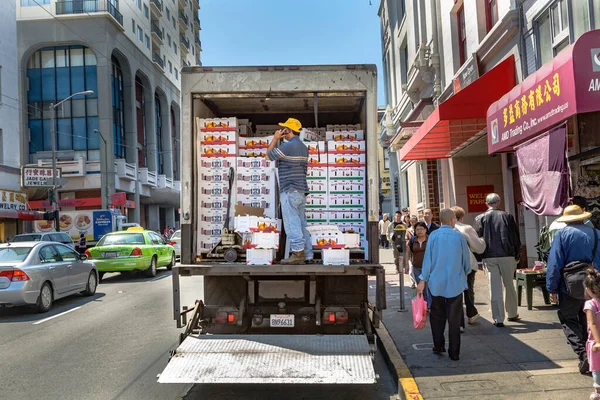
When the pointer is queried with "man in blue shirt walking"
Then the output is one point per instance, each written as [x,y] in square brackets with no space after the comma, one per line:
[574,242]
[292,163]
[445,269]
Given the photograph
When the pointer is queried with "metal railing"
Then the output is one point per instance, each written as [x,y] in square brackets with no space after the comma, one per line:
[155,28]
[158,59]
[184,18]
[184,41]
[89,6]
[198,42]
[158,4]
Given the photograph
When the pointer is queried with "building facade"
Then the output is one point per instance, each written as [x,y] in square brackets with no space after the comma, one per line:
[10,160]
[123,139]
[465,56]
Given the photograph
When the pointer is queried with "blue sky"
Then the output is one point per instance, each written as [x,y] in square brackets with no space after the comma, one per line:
[284,32]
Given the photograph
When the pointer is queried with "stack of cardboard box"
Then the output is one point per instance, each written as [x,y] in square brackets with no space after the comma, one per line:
[255,184]
[218,150]
[317,199]
[260,237]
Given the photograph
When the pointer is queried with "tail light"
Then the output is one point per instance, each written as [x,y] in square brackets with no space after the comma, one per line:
[337,316]
[227,317]
[15,275]
[172,243]
[137,252]
[88,254]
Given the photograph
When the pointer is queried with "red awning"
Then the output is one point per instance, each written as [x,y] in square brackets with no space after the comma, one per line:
[461,117]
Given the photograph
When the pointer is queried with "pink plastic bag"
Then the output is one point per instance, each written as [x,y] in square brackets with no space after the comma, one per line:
[419,311]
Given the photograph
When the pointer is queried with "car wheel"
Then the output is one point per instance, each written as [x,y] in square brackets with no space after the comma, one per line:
[100,276]
[151,271]
[172,264]
[92,284]
[45,299]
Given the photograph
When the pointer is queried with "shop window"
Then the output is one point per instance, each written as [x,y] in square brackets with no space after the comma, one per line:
[404,64]
[491,13]
[462,35]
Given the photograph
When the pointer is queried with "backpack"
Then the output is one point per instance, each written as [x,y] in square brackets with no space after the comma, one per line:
[412,242]
[575,272]
[544,244]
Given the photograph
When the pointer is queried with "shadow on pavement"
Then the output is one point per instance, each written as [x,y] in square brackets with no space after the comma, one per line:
[133,277]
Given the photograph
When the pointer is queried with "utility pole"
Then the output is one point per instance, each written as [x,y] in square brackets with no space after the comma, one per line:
[53,197]
[104,169]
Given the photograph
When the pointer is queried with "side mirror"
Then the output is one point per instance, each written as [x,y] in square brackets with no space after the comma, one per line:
[83,257]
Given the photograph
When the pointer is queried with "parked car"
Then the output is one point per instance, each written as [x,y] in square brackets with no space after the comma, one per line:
[37,273]
[58,237]
[175,241]
[136,249]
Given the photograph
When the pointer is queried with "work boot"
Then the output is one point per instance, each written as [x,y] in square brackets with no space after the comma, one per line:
[297,258]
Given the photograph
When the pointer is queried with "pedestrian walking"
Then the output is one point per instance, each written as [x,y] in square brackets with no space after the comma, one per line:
[292,164]
[574,244]
[81,244]
[445,268]
[428,218]
[415,249]
[476,245]
[384,225]
[556,225]
[500,258]
[410,232]
[396,236]
[592,311]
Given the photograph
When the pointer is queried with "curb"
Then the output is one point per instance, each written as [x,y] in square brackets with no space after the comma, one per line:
[406,382]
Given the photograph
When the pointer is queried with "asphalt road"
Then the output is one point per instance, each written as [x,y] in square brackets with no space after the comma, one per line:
[114,344]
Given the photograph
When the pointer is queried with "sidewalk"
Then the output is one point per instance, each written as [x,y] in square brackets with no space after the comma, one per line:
[529,359]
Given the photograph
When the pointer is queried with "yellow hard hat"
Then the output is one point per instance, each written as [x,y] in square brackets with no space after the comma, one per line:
[293,124]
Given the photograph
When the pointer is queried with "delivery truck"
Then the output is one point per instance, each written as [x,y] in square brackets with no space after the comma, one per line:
[92,223]
[274,323]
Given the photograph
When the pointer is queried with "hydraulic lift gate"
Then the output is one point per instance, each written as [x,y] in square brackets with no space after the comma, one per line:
[272,359]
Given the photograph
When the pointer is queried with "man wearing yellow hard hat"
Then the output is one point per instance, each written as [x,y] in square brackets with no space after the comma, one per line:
[292,162]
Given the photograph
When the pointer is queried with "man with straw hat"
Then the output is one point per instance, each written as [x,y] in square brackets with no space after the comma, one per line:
[574,243]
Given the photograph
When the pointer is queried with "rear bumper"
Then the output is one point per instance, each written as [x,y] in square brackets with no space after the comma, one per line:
[122,264]
[19,294]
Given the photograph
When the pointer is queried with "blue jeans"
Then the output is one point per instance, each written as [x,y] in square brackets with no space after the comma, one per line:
[293,210]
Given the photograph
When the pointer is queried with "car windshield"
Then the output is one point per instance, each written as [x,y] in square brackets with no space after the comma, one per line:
[122,239]
[14,254]
[176,235]
[26,238]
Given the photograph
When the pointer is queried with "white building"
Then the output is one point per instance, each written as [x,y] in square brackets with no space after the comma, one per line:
[130,53]
[9,113]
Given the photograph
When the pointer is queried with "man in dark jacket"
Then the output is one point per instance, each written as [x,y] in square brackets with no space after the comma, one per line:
[428,217]
[396,236]
[503,249]
[574,242]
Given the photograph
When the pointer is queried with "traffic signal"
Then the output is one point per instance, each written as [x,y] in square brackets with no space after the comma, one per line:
[50,215]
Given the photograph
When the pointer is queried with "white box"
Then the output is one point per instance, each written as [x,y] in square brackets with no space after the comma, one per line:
[348,147]
[317,151]
[335,256]
[260,142]
[345,135]
[216,123]
[317,200]
[206,242]
[317,186]
[260,256]
[211,229]
[258,153]
[218,150]
[255,176]
[260,240]
[347,201]
[255,163]
[337,172]
[341,186]
[357,227]
[316,171]
[212,216]
[347,216]
[212,163]
[215,189]
[213,202]
[317,216]
[351,240]
[346,160]
[214,138]
[327,239]
[258,189]
[214,174]
[251,223]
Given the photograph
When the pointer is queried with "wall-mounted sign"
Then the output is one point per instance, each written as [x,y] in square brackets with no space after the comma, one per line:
[476,198]
[37,176]
[10,200]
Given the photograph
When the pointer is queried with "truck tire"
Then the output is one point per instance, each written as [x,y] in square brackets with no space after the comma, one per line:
[151,271]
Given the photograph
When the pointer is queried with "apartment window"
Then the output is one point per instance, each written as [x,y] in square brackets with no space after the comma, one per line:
[168,14]
[28,3]
[175,48]
[147,41]
[138,3]
[133,26]
[176,74]
[140,34]
[491,13]
[193,51]
[386,159]
[553,31]
[169,40]
[462,35]
[401,10]
[170,67]
[581,18]
[174,23]
[404,63]
[146,12]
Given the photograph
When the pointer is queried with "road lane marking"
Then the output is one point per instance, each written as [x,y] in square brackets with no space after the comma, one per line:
[56,316]
[159,277]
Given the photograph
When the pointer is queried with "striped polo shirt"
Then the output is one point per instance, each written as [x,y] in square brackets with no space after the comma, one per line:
[292,163]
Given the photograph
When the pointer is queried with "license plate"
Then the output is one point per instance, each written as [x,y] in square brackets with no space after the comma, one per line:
[111,255]
[282,321]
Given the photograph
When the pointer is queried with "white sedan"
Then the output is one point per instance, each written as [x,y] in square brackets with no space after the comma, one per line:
[37,273]
[175,241]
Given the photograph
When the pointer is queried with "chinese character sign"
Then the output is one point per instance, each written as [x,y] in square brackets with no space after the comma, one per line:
[37,176]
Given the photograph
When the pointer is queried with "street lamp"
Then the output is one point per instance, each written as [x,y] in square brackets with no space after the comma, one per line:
[54,196]
[105,169]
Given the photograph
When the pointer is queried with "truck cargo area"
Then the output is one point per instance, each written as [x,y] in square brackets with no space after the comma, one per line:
[271,359]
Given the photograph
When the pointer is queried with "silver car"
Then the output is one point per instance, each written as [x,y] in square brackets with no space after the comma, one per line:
[37,273]
[175,241]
